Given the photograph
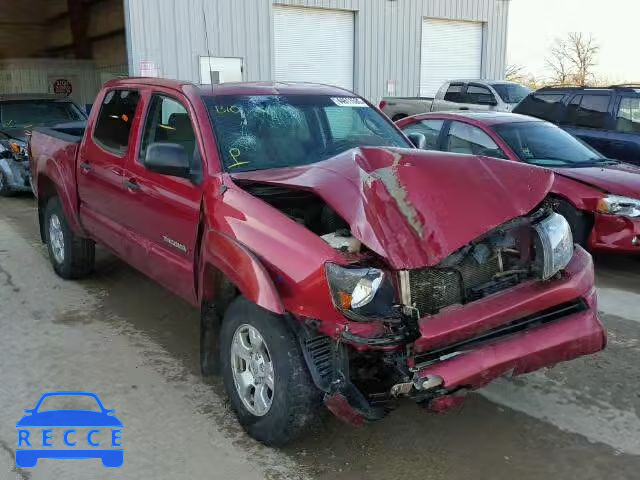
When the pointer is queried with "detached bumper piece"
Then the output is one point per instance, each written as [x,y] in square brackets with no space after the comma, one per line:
[555,340]
[328,363]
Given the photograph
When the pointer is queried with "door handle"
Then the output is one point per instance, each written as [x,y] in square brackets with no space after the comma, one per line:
[132,185]
[85,167]
[464,108]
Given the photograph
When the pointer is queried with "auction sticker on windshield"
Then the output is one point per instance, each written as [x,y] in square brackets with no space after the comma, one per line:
[69,425]
[349,102]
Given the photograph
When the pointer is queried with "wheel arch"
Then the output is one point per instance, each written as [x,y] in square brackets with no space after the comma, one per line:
[50,185]
[228,270]
[581,221]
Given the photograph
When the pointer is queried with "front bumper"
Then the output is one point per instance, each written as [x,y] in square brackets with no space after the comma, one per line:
[614,233]
[564,338]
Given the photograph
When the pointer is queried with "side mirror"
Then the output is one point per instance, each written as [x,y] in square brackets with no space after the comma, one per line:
[168,159]
[418,140]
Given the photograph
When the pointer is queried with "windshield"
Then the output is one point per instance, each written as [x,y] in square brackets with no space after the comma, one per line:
[511,92]
[271,131]
[541,143]
[27,113]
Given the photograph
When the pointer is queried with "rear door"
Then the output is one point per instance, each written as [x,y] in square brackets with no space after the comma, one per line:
[588,118]
[163,211]
[548,106]
[479,97]
[451,99]
[101,164]
[625,138]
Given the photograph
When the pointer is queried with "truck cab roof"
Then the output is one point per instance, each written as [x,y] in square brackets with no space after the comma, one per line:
[239,88]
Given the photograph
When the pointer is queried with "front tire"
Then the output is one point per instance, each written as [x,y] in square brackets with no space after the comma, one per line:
[72,257]
[265,375]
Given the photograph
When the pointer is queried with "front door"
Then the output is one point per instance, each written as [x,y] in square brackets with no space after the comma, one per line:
[164,211]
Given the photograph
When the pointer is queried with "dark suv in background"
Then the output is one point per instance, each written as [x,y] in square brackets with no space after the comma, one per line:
[606,118]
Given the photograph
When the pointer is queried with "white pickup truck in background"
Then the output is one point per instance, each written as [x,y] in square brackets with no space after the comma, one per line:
[498,95]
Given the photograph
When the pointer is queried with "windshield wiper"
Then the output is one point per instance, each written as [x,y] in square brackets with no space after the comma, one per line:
[594,162]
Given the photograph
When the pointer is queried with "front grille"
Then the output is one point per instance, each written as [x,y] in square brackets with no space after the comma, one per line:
[435,288]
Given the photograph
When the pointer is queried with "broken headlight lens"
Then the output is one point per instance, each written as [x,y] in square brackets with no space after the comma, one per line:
[617,205]
[361,292]
[554,245]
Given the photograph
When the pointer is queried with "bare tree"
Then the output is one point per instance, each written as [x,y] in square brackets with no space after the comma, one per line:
[583,53]
[514,72]
[572,59]
[558,63]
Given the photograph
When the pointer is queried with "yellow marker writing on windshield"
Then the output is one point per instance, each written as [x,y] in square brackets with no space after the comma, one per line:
[235,154]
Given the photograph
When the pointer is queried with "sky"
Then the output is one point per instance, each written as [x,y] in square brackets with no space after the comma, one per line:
[615,24]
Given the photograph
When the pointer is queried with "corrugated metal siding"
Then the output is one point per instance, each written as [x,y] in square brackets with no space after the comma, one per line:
[36,75]
[171,34]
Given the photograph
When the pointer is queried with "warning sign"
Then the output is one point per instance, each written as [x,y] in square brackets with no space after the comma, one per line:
[62,86]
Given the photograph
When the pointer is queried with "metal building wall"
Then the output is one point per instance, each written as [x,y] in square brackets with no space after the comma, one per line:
[171,34]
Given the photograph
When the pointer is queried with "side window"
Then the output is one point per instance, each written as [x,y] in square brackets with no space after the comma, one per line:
[429,128]
[114,120]
[541,105]
[470,140]
[479,95]
[168,121]
[628,118]
[454,93]
[589,111]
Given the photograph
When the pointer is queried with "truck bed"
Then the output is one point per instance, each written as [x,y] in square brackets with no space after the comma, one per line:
[67,132]
[400,107]
[53,152]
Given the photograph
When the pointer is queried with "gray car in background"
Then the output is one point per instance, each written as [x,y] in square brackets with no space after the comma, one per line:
[495,95]
[19,113]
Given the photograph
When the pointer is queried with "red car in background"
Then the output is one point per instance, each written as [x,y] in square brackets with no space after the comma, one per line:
[599,197]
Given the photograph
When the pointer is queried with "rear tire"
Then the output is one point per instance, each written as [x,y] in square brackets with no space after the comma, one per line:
[581,223]
[294,399]
[72,257]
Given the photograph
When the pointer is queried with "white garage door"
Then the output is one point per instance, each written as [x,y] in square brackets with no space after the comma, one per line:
[314,45]
[450,50]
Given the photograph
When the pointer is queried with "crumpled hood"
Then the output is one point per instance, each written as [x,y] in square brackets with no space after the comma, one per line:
[618,179]
[412,207]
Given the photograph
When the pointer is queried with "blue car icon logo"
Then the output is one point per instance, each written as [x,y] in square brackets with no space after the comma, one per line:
[36,437]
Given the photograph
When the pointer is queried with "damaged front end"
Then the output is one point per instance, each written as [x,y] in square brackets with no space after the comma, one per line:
[14,166]
[440,289]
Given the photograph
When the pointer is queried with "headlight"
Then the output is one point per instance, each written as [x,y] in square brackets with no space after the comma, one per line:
[554,245]
[361,292]
[617,205]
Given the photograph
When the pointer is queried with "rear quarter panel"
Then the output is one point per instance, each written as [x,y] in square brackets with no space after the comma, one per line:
[407,106]
[53,163]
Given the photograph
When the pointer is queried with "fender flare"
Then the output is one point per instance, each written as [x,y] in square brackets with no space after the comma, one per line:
[241,267]
[68,200]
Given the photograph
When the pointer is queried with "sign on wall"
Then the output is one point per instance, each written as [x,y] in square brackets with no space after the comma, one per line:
[62,86]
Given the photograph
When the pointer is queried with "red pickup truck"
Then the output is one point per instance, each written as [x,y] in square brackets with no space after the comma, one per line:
[332,262]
